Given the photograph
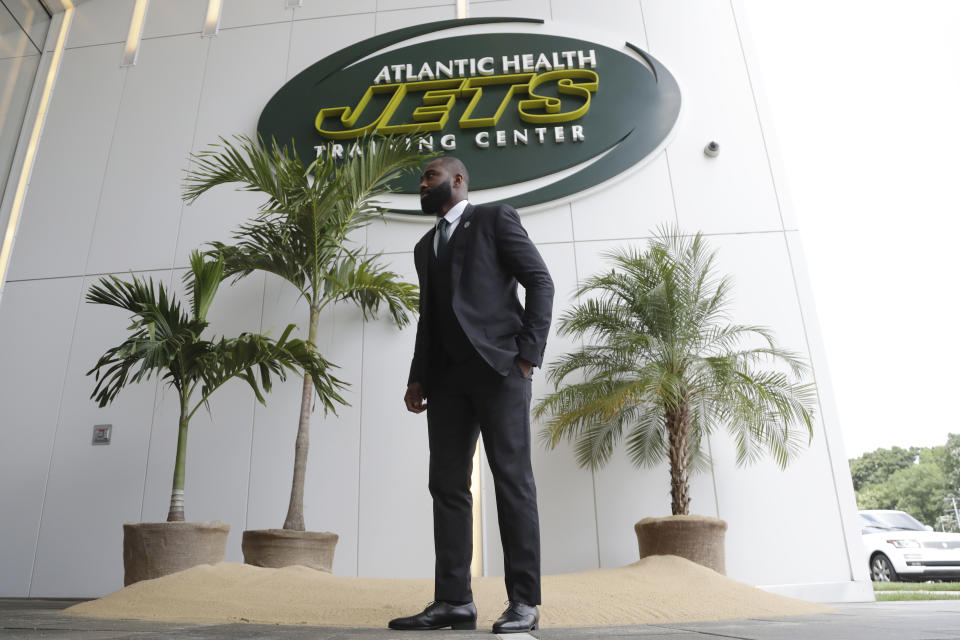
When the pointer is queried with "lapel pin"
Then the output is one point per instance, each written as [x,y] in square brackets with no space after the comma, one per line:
[466,224]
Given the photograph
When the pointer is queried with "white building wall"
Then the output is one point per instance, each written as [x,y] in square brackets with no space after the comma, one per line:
[105,199]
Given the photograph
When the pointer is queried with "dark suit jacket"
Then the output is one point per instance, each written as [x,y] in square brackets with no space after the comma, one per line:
[491,254]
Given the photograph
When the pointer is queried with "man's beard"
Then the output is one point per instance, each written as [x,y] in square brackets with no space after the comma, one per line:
[436,198]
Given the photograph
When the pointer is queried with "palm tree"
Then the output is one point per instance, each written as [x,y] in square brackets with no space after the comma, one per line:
[167,341]
[665,367]
[301,234]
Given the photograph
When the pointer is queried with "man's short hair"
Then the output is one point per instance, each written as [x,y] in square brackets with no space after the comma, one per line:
[455,165]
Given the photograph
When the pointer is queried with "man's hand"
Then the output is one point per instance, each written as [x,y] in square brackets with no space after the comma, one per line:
[525,366]
[413,398]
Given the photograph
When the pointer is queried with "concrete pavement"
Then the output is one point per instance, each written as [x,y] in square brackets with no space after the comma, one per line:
[32,619]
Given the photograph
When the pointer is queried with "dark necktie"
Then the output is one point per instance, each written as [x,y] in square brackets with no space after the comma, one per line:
[443,238]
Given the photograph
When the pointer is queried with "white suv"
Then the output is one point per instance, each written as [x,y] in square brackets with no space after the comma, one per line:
[900,548]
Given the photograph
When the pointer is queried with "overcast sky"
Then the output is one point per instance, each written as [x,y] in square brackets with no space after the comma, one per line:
[865,101]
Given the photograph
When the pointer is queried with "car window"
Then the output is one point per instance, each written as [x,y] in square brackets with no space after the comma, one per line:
[871,525]
[889,521]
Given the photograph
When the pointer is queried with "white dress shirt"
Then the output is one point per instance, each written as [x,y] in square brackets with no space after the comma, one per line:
[453,219]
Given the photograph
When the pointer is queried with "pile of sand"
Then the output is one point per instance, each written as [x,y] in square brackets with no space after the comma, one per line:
[655,589]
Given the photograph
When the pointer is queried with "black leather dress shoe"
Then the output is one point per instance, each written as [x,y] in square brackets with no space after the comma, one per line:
[518,618]
[439,615]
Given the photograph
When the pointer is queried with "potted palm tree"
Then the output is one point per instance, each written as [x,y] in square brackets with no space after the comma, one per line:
[167,341]
[662,367]
[301,234]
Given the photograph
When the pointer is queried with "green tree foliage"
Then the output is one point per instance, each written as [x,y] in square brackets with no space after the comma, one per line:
[916,480]
[952,461]
[877,466]
[934,455]
[919,490]
[664,366]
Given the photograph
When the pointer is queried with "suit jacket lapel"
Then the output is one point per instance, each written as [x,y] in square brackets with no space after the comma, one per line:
[421,257]
[460,245]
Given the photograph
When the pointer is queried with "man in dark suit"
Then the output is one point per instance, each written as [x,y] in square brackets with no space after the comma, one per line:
[475,352]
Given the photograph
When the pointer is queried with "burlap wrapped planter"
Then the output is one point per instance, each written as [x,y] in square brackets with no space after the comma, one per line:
[155,549]
[277,548]
[697,538]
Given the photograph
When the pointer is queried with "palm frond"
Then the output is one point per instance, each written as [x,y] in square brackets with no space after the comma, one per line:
[368,173]
[595,444]
[271,170]
[369,284]
[761,409]
[202,281]
[647,440]
[257,360]
[159,329]
[263,248]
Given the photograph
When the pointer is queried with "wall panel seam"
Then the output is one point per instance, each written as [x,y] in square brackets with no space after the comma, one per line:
[146,464]
[643,22]
[333,15]
[416,8]
[87,275]
[673,191]
[253,419]
[714,234]
[22,56]
[193,146]
[363,339]
[286,66]
[718,234]
[53,444]
[713,478]
[253,428]
[593,473]
[196,32]
[94,44]
[267,24]
[756,109]
[106,168]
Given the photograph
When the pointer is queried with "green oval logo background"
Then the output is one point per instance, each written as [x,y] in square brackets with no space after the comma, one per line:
[631,113]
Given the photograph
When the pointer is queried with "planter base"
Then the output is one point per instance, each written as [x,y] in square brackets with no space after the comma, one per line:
[155,549]
[697,538]
[276,548]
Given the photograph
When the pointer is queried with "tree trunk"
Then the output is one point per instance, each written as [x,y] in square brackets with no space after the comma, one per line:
[180,466]
[294,519]
[678,428]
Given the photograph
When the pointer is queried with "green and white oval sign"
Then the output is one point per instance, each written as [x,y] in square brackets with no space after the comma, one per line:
[515,107]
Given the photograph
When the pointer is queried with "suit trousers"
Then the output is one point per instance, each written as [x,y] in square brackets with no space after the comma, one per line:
[468,399]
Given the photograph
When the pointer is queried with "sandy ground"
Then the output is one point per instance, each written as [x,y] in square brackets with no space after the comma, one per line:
[655,589]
